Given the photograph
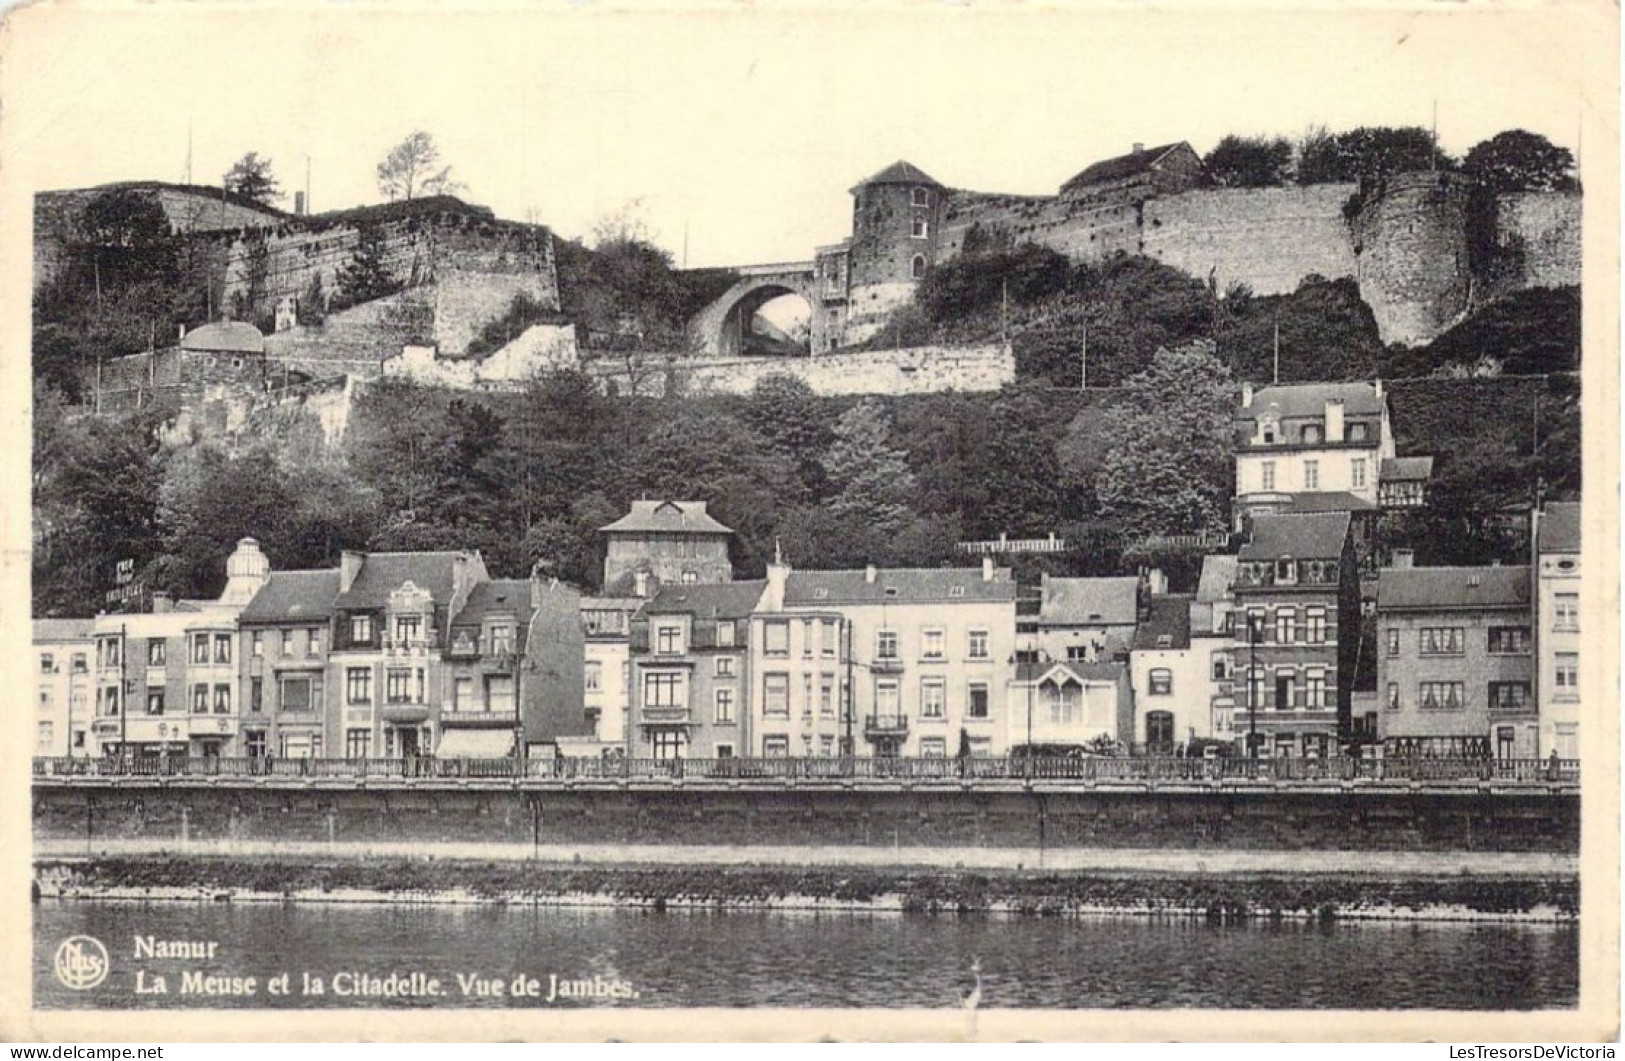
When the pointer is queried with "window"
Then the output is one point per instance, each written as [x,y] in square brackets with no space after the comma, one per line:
[1283,690]
[1286,571]
[408,629]
[200,648]
[725,707]
[1358,432]
[1567,685]
[933,747]
[1566,614]
[255,744]
[1159,728]
[156,652]
[1311,475]
[826,696]
[775,696]
[826,745]
[155,700]
[594,676]
[222,699]
[978,644]
[47,663]
[919,228]
[1314,625]
[886,699]
[357,743]
[1314,688]
[690,576]
[46,735]
[1255,687]
[662,690]
[1162,682]
[1509,696]
[360,629]
[398,685]
[499,693]
[806,697]
[916,267]
[919,197]
[977,707]
[1267,474]
[313,642]
[827,648]
[933,646]
[1509,640]
[776,637]
[200,699]
[1440,640]
[933,698]
[78,663]
[725,633]
[776,747]
[886,644]
[1441,696]
[256,643]
[256,694]
[501,639]
[806,638]
[358,685]
[1312,433]
[668,640]
[109,652]
[1221,666]
[1286,626]
[462,694]
[1357,473]
[725,751]
[222,648]
[1393,696]
[1393,642]
[296,694]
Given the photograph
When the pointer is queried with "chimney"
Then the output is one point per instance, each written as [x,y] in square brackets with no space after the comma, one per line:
[987,569]
[1138,148]
[1402,560]
[1246,395]
[1377,386]
[778,577]
[869,574]
[1334,419]
[162,602]
[350,562]
[182,334]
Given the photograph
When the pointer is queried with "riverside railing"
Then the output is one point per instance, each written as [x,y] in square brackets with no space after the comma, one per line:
[786,771]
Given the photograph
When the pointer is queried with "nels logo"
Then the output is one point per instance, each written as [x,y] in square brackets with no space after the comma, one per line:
[81,962]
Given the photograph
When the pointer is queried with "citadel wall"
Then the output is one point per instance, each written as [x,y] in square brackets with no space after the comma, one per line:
[1411,255]
[915,370]
[1542,230]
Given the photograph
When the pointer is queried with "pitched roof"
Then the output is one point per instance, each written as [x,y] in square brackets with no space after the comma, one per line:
[1128,165]
[383,573]
[670,517]
[1327,501]
[723,600]
[1084,672]
[900,584]
[1169,617]
[63,629]
[1560,528]
[1218,576]
[1453,587]
[293,595]
[1398,469]
[1289,401]
[898,172]
[1317,537]
[500,596]
[232,337]
[1089,601]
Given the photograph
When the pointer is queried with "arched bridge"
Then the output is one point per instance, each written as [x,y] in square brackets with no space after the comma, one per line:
[719,330]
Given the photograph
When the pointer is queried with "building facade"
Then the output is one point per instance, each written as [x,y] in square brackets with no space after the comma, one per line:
[664,543]
[1064,704]
[63,649]
[1171,683]
[1456,662]
[1084,620]
[1557,628]
[1325,439]
[286,634]
[1297,603]
[606,624]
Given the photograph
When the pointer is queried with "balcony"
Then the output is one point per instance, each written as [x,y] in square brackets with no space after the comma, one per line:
[494,719]
[667,715]
[406,714]
[885,726]
[887,665]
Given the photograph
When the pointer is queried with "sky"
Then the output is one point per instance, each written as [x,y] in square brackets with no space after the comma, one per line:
[739,129]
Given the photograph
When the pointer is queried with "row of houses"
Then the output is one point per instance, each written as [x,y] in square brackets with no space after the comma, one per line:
[401,655]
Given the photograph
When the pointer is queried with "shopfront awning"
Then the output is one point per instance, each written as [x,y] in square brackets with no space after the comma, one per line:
[475,744]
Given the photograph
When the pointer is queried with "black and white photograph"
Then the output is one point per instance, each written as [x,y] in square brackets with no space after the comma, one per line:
[743,521]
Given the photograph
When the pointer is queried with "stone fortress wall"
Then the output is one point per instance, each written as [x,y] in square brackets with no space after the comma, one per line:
[912,370]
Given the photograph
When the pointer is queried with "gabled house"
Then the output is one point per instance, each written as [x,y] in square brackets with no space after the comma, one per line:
[1143,173]
[286,632]
[1068,703]
[1086,620]
[664,543]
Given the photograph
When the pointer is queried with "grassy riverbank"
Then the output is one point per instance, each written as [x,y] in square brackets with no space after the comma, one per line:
[1217,896]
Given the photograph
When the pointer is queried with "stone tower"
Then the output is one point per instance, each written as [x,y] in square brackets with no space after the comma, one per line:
[896,226]
[1411,258]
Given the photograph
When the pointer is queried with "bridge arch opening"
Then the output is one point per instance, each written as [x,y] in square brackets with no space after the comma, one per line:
[770,321]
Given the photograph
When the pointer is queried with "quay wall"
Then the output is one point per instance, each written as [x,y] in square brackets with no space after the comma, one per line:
[1326,820]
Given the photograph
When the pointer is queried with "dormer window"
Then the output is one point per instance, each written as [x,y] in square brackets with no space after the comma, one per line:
[1357,432]
[1269,430]
[1313,433]
[1286,570]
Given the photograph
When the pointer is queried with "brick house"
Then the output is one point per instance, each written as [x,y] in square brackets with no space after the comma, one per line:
[285,633]
[1456,662]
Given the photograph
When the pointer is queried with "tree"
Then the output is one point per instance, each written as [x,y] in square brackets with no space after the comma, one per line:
[412,169]
[1367,153]
[1168,465]
[1520,161]
[366,276]
[1249,162]
[250,177]
[874,487]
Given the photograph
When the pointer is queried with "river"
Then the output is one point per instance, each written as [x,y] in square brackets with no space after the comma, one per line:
[736,958]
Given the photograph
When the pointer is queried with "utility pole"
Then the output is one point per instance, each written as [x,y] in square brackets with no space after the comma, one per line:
[1276,376]
[1083,381]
